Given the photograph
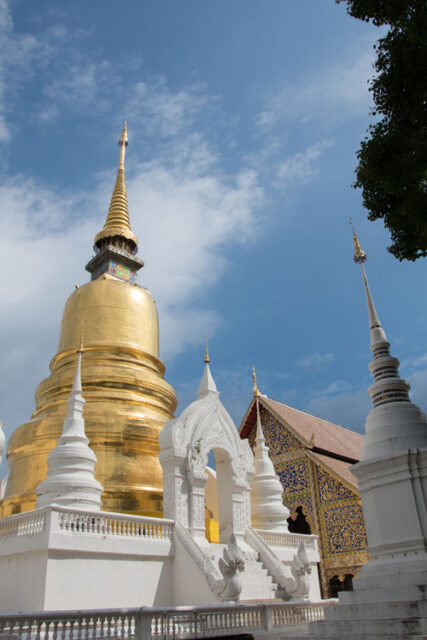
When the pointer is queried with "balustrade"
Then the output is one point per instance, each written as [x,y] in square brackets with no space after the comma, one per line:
[24,524]
[288,540]
[165,624]
[106,524]
[115,525]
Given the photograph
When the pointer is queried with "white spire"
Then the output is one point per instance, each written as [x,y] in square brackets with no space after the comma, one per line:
[377,332]
[268,511]
[207,383]
[395,424]
[70,480]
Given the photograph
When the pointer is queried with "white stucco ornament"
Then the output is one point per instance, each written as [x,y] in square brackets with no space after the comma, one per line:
[268,511]
[70,479]
[301,570]
[185,442]
[231,564]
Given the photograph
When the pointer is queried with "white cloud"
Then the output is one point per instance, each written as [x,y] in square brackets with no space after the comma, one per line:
[187,219]
[338,92]
[82,86]
[163,112]
[301,167]
[348,409]
[418,393]
[414,363]
[315,361]
[17,54]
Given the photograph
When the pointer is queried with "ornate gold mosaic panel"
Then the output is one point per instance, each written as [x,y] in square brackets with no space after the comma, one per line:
[330,488]
[345,528]
[277,437]
[293,475]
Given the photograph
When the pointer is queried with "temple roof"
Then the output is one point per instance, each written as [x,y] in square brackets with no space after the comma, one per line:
[339,467]
[320,436]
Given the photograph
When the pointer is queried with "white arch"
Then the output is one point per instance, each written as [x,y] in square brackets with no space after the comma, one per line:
[185,442]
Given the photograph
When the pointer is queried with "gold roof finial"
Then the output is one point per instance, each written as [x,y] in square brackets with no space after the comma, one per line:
[359,254]
[117,222]
[256,390]
[207,359]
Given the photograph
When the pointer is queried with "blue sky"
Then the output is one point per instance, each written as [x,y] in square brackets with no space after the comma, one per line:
[244,118]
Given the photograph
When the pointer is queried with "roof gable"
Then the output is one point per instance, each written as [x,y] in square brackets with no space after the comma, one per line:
[315,433]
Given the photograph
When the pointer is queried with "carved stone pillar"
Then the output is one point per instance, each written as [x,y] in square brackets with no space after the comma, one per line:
[175,488]
[239,510]
[197,504]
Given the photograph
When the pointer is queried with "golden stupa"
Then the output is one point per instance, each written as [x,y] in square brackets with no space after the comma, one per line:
[127,399]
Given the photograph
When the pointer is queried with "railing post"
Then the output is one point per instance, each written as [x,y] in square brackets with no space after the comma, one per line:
[143,625]
[267,618]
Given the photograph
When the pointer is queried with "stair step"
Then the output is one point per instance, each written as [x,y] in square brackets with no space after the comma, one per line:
[369,627]
[375,611]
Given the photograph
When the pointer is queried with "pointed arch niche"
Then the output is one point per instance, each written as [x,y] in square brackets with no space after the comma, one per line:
[185,443]
[300,521]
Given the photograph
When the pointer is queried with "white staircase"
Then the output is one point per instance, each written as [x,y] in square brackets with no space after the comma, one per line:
[257,584]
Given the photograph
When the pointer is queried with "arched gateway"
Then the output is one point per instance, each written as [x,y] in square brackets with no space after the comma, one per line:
[185,442]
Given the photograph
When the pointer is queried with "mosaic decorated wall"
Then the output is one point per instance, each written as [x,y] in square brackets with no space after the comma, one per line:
[330,507]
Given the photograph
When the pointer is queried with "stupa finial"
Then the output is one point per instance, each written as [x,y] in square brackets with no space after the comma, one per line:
[359,255]
[117,223]
[116,245]
[377,332]
[207,383]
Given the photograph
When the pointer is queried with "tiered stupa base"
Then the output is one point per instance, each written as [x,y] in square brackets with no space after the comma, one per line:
[389,602]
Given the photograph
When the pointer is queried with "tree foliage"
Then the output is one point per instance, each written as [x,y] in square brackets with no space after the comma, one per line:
[392,170]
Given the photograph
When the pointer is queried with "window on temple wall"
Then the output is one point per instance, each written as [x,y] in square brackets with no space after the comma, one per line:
[336,585]
[299,524]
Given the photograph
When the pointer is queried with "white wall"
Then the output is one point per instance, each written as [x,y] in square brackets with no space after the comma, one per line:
[107,582]
[22,581]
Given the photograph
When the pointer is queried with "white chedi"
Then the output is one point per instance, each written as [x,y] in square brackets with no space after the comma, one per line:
[70,480]
[268,511]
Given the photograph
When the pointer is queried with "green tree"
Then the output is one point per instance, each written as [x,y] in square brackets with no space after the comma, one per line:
[392,169]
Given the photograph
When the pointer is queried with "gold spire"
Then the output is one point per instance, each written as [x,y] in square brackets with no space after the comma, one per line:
[256,390]
[117,222]
[207,359]
[359,254]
